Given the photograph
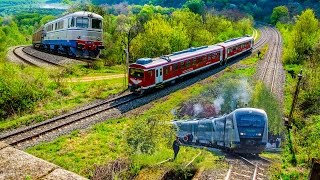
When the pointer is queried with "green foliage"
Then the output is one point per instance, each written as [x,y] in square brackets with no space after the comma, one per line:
[302,39]
[143,134]
[264,99]
[196,6]
[301,47]
[21,89]
[279,14]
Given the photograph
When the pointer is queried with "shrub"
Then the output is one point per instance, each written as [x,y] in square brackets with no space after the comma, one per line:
[21,88]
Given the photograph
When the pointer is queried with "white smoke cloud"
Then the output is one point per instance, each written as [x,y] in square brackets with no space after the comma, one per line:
[197,109]
[218,103]
[241,96]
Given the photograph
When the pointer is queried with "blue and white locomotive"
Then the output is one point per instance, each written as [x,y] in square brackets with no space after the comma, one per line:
[78,35]
[244,130]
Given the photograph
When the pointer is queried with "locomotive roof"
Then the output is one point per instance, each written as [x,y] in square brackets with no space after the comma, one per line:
[176,56]
[235,41]
[78,14]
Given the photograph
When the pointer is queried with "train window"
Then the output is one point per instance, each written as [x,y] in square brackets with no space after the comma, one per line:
[150,73]
[250,120]
[70,22]
[188,63]
[137,73]
[82,22]
[166,69]
[175,66]
[170,68]
[194,61]
[96,24]
[182,64]
[160,72]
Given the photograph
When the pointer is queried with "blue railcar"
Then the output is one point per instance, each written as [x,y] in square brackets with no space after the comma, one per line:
[244,130]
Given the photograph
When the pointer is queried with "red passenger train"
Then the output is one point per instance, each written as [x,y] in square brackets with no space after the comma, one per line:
[148,73]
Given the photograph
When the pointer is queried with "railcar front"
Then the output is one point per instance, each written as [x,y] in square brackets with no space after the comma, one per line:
[140,77]
[78,34]
[252,129]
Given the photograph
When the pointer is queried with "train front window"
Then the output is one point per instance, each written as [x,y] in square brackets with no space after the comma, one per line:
[137,73]
[82,22]
[96,24]
[247,120]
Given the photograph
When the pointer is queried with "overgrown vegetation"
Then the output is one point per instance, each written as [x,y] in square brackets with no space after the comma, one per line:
[301,51]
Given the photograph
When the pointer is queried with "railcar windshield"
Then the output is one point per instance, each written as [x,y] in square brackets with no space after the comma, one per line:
[96,24]
[82,22]
[247,120]
[137,73]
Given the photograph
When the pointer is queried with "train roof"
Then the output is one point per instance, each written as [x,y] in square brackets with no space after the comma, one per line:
[147,63]
[78,14]
[250,109]
[176,56]
[235,41]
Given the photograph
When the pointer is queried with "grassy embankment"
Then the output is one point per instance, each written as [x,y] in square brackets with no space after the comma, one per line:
[82,152]
[301,51]
[44,93]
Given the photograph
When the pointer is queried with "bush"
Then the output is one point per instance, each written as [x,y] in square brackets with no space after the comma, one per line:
[145,134]
[21,88]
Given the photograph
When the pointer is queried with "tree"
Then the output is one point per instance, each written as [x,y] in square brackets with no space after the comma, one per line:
[303,38]
[196,6]
[279,13]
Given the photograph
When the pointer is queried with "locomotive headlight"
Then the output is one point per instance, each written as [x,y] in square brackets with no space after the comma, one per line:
[258,134]
[242,134]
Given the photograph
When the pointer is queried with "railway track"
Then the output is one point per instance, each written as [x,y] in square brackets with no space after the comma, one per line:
[31,54]
[272,60]
[264,37]
[244,168]
[30,59]
[16,52]
[36,131]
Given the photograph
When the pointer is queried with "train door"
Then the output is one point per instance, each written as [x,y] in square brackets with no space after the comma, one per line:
[159,75]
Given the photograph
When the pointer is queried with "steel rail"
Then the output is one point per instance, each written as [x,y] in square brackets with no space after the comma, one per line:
[41,59]
[51,121]
[277,57]
[22,58]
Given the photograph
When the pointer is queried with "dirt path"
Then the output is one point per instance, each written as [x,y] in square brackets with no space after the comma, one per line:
[94,78]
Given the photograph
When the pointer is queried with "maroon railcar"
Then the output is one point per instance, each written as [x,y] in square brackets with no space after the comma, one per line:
[148,73]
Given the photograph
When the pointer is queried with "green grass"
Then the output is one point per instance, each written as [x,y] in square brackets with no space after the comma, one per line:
[66,97]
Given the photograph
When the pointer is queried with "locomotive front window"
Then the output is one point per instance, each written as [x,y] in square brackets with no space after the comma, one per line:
[250,120]
[96,24]
[82,22]
[137,73]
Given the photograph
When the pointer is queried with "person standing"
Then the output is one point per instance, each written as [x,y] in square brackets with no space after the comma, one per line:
[176,147]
